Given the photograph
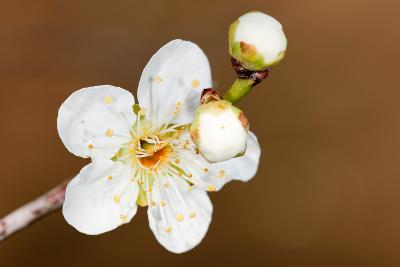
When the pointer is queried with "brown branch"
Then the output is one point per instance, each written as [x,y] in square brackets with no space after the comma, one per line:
[32,211]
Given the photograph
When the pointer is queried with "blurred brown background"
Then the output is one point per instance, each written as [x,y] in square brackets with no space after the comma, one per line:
[327,191]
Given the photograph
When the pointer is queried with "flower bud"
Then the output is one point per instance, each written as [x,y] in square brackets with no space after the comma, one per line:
[257,41]
[220,131]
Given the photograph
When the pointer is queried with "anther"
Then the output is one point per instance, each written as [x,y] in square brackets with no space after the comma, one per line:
[108,99]
[211,188]
[117,199]
[179,217]
[158,79]
[195,83]
[109,133]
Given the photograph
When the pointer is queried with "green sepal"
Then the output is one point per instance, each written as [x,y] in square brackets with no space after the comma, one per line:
[136,108]
[142,198]
[251,59]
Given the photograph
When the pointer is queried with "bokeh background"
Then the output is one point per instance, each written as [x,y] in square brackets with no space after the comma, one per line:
[327,191]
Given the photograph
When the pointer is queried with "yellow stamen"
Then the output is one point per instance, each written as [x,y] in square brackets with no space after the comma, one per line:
[117,199]
[179,217]
[195,83]
[108,99]
[158,79]
[211,188]
[109,133]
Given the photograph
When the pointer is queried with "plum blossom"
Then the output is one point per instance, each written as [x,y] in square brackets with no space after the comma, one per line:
[142,154]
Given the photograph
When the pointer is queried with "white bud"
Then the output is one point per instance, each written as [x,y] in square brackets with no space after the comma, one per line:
[220,131]
[257,40]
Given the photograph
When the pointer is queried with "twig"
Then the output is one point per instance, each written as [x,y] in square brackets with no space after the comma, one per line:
[32,211]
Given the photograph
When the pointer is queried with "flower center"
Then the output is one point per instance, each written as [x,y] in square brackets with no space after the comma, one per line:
[151,149]
[156,157]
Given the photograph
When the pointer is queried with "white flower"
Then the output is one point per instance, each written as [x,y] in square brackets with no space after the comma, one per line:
[147,159]
[257,40]
[219,131]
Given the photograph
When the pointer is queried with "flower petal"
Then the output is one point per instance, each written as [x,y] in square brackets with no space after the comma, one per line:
[213,176]
[189,164]
[241,168]
[101,198]
[179,217]
[95,121]
[172,82]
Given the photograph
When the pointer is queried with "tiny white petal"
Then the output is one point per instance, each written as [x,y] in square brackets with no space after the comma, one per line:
[172,81]
[100,198]
[88,119]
